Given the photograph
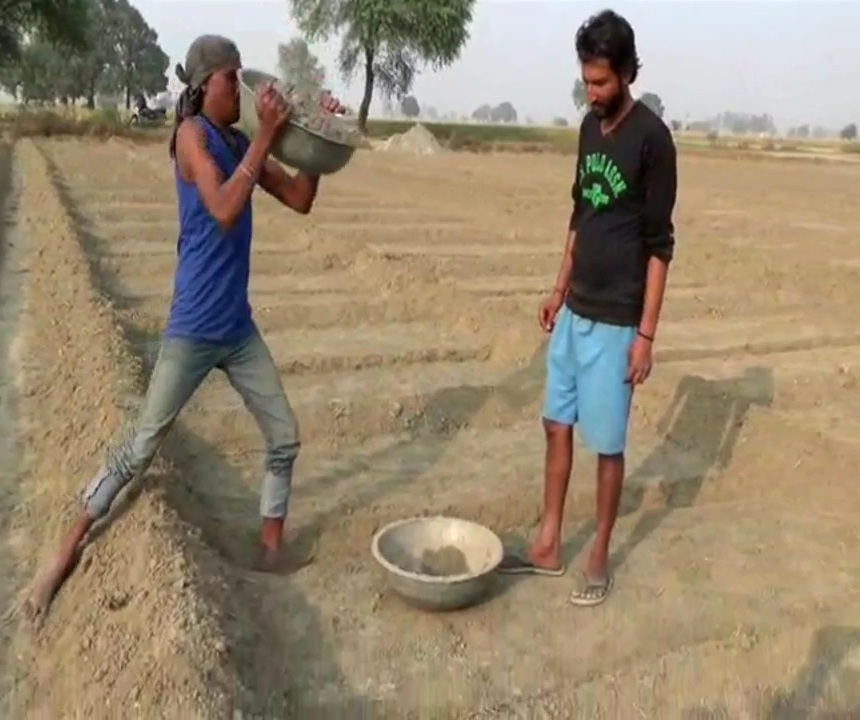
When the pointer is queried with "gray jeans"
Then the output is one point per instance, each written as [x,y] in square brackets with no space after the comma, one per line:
[181,367]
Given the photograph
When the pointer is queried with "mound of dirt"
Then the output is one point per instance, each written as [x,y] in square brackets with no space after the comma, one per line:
[135,628]
[418,140]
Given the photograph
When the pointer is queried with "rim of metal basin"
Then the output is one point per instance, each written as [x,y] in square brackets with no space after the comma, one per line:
[293,122]
[496,558]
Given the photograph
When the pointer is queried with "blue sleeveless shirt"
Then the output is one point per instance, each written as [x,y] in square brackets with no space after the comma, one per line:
[210,291]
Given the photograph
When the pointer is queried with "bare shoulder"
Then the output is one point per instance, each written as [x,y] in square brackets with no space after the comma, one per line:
[190,133]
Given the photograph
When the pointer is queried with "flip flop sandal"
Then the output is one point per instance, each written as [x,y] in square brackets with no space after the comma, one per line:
[518,565]
[593,592]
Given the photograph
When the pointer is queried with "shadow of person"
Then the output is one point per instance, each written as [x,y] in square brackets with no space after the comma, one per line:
[703,422]
[458,406]
[823,678]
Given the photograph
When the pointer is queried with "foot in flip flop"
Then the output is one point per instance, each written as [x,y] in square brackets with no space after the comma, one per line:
[593,592]
[514,564]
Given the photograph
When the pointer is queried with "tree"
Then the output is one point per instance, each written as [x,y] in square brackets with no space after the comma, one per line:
[409,107]
[676,125]
[653,102]
[849,132]
[560,122]
[482,113]
[57,22]
[579,95]
[388,39]
[432,113]
[141,64]
[299,67]
[503,113]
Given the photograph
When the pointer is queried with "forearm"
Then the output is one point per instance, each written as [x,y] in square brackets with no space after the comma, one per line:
[234,194]
[562,280]
[655,289]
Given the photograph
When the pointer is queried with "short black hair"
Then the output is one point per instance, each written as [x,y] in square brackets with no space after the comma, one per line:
[608,36]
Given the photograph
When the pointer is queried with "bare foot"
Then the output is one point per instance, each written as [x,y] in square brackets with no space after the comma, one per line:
[546,558]
[44,590]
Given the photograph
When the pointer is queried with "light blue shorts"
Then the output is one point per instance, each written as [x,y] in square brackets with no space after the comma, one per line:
[586,385]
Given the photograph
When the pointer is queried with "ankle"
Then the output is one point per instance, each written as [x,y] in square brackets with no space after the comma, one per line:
[273,533]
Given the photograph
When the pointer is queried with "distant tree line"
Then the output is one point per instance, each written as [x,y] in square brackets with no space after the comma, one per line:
[504,112]
[113,51]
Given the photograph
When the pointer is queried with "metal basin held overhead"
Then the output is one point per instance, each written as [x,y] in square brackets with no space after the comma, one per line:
[438,563]
[299,146]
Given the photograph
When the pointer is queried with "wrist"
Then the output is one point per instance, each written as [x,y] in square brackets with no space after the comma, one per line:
[649,336]
[266,136]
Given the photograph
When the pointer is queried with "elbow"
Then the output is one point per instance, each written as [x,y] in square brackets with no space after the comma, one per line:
[303,208]
[299,202]
[226,220]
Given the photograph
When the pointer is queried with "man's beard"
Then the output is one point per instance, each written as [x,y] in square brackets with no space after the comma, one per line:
[610,108]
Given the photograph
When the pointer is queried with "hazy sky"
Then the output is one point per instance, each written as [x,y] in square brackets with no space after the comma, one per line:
[792,59]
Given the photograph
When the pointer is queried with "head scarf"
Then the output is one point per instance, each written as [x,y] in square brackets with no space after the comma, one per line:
[206,55]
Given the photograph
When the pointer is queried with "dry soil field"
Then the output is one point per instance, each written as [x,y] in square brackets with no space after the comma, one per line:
[402,315]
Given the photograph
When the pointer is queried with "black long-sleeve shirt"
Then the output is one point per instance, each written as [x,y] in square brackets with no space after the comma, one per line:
[623,197]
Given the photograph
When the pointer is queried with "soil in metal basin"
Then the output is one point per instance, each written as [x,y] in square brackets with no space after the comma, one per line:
[448,560]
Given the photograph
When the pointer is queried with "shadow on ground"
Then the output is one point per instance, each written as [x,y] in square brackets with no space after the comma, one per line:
[270,665]
[824,688]
[705,417]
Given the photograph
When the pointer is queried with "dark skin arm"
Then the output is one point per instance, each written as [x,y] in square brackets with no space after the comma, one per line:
[224,197]
[296,192]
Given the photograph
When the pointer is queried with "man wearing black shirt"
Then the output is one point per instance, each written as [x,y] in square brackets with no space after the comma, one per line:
[604,310]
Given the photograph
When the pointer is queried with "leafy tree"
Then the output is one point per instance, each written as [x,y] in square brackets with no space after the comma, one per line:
[432,113]
[560,122]
[482,113]
[676,125]
[849,132]
[579,95]
[59,22]
[388,39]
[140,64]
[503,113]
[30,77]
[409,107]
[653,102]
[299,67]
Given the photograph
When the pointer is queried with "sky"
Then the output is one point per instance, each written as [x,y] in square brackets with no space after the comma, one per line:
[799,61]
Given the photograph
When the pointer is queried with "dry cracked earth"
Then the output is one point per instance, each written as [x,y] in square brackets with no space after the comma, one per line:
[402,315]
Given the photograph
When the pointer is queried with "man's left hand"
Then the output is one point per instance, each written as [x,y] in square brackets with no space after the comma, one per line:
[331,104]
[640,361]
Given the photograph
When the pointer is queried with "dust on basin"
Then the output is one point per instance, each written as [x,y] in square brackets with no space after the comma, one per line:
[448,560]
[436,561]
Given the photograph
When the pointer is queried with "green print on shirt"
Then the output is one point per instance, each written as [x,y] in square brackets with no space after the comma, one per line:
[600,179]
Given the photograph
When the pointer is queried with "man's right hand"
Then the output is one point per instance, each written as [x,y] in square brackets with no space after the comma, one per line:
[549,309]
[273,111]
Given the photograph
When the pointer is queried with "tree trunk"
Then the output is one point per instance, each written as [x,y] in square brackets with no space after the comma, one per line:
[128,97]
[364,109]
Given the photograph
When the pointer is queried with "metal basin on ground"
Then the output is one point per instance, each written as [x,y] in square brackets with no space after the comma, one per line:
[299,146]
[438,563]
